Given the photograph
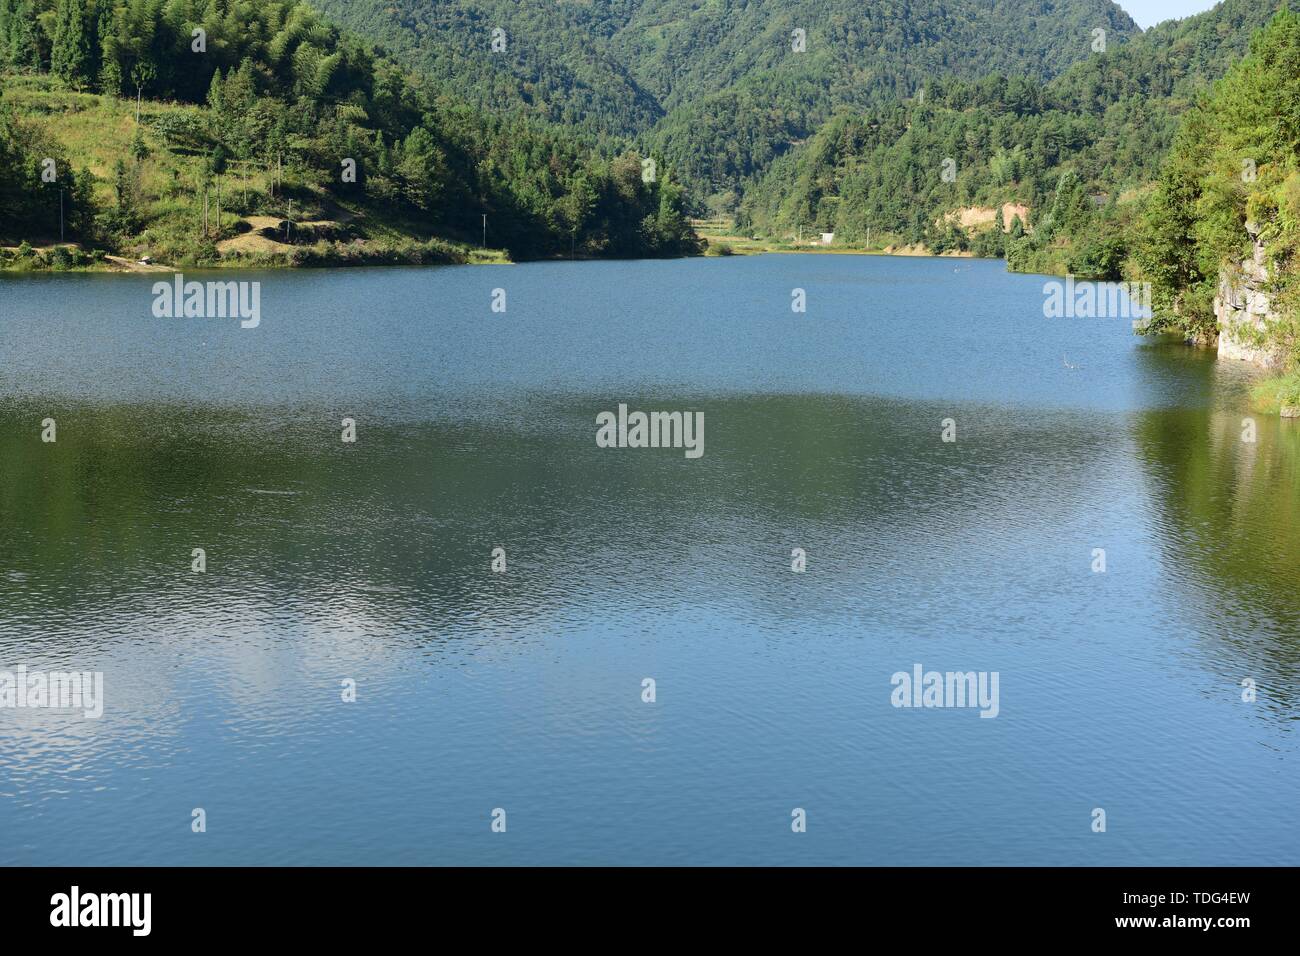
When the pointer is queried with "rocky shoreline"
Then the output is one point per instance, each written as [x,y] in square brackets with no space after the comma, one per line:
[1245,310]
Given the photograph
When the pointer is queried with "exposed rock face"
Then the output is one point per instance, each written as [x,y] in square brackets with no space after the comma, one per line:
[1010,210]
[1243,304]
[978,217]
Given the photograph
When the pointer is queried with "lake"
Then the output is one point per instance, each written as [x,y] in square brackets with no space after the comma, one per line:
[371,561]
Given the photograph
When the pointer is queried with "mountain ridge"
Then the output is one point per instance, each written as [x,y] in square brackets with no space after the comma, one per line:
[714,87]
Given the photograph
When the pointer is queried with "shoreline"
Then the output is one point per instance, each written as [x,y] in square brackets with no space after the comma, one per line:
[318,257]
[434,251]
[748,246]
[98,262]
[102,263]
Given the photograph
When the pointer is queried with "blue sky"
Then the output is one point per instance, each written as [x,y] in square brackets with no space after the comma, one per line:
[1148,13]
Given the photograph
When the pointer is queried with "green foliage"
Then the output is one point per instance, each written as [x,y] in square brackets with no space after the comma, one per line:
[1273,394]
[949,237]
[282,92]
[20,37]
[852,136]
[1070,209]
[1087,137]
[1233,162]
[124,218]
[29,205]
[715,89]
[1098,255]
[72,56]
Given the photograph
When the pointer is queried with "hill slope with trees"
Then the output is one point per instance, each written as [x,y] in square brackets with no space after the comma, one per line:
[1078,151]
[716,90]
[176,126]
[1229,192]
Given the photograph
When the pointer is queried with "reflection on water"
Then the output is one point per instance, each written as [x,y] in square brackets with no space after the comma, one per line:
[328,561]
[1230,513]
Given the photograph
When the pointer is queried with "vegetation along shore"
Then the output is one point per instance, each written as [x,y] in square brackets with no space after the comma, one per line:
[140,135]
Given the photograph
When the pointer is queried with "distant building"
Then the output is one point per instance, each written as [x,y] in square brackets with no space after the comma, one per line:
[828,238]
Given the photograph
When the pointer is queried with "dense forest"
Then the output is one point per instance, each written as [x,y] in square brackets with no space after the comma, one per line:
[1078,151]
[1235,161]
[273,94]
[716,90]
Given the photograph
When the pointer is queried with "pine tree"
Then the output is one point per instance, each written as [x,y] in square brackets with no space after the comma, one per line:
[71,58]
[110,69]
[216,98]
[24,53]
[6,17]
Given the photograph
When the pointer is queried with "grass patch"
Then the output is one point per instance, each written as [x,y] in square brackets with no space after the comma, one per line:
[168,184]
[1272,394]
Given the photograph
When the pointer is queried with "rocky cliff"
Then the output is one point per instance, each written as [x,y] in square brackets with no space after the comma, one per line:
[1244,308]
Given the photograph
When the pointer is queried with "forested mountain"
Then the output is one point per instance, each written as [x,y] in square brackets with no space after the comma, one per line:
[887,122]
[266,96]
[760,97]
[1070,149]
[554,60]
[716,88]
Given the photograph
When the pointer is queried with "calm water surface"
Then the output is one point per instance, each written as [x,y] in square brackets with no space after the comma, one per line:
[371,561]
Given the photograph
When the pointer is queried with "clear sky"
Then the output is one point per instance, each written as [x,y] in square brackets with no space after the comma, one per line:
[1148,13]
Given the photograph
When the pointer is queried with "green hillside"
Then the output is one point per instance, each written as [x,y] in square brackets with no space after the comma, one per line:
[1079,151]
[714,89]
[1235,160]
[271,134]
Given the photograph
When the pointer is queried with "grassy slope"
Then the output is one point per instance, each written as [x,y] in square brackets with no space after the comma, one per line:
[99,130]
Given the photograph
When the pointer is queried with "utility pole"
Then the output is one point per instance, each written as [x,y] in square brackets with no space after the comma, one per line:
[60,214]
[484,246]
